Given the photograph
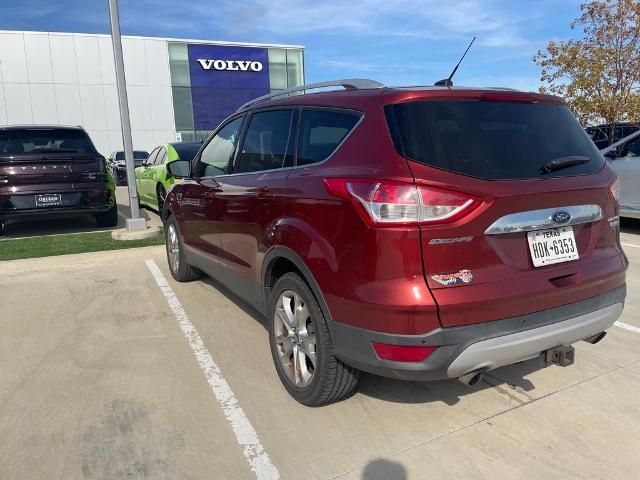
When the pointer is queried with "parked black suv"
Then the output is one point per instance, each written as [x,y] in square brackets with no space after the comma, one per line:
[609,133]
[50,170]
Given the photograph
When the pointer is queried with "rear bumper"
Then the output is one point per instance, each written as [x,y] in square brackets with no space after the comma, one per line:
[27,213]
[483,346]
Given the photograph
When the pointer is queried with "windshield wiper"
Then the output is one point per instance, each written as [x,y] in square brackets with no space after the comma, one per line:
[563,162]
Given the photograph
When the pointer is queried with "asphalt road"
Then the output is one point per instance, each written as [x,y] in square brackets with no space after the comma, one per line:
[76,224]
[102,376]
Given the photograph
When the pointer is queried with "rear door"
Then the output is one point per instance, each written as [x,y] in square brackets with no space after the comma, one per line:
[506,178]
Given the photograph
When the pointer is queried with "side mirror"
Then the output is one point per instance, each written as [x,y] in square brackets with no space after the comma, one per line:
[179,168]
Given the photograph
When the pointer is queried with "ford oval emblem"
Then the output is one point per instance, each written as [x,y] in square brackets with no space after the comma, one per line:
[561,217]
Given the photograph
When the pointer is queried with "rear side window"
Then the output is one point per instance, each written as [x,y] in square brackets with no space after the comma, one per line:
[493,140]
[268,143]
[321,132]
[35,141]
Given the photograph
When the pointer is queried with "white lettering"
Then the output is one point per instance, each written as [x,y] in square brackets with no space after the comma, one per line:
[205,64]
[219,64]
[231,65]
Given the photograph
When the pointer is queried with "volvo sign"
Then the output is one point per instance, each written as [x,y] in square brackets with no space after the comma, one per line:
[230,65]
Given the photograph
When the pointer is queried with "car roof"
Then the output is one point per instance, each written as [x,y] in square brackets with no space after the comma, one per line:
[359,99]
[41,127]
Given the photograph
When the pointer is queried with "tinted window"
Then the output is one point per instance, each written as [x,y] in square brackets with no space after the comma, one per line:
[321,131]
[268,143]
[215,157]
[137,155]
[186,151]
[492,140]
[35,141]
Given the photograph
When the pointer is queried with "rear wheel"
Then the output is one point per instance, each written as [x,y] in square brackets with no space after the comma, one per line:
[301,346]
[108,218]
[178,266]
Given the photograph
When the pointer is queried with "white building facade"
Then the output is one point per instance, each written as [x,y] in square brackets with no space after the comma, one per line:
[177,89]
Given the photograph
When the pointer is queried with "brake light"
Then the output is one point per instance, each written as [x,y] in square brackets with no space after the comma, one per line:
[395,203]
[403,353]
[614,190]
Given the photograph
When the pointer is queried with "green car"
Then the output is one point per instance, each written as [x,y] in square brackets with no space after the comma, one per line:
[152,178]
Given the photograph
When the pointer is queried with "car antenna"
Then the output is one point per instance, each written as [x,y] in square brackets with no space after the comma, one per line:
[447,82]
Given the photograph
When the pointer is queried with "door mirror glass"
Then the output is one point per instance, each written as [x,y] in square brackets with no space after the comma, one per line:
[179,168]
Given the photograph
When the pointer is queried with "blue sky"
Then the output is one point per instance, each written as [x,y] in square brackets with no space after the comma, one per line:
[398,42]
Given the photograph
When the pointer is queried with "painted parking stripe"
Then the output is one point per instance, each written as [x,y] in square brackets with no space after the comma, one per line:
[626,326]
[246,435]
[629,245]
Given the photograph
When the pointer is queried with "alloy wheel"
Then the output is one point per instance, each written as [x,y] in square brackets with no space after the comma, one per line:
[173,248]
[295,338]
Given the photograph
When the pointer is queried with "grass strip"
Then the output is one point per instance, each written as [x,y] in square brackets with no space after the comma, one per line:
[47,246]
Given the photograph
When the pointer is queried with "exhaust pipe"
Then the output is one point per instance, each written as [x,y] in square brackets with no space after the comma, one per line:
[472,378]
[596,338]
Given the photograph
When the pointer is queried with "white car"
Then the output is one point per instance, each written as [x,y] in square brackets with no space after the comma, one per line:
[624,157]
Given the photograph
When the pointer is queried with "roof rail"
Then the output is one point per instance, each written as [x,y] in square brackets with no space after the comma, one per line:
[347,84]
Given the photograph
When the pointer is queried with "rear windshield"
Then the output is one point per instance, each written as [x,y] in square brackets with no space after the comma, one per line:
[36,141]
[137,155]
[186,151]
[494,140]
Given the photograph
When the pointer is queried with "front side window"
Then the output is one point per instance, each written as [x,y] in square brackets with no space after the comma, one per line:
[321,132]
[215,158]
[268,144]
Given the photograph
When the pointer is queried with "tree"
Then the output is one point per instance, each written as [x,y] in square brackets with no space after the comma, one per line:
[598,74]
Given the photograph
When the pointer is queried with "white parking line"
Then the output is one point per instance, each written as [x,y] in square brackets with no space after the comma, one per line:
[626,326]
[245,434]
[629,245]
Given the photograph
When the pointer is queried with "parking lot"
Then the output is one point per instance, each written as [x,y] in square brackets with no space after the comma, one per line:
[103,376]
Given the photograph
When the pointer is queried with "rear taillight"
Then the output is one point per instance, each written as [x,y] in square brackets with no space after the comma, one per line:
[397,203]
[614,190]
[402,353]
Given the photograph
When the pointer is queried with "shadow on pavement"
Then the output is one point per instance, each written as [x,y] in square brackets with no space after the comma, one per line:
[630,225]
[399,391]
[384,469]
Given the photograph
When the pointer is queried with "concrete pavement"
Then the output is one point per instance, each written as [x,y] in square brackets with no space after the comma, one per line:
[98,381]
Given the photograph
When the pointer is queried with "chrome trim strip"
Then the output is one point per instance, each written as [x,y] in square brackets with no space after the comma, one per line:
[541,219]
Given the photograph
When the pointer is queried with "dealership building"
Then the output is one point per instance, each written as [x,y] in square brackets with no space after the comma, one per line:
[177,89]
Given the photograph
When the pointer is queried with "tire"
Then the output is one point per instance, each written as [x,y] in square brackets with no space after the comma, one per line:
[181,271]
[330,380]
[108,218]
[161,194]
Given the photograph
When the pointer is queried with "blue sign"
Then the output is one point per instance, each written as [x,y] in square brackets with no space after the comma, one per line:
[223,78]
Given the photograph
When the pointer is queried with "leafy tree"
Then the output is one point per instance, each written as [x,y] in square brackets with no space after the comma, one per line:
[598,74]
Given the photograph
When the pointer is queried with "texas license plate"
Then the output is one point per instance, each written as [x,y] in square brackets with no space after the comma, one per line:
[48,200]
[555,245]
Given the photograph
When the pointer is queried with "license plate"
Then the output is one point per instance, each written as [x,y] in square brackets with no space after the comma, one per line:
[555,245]
[48,200]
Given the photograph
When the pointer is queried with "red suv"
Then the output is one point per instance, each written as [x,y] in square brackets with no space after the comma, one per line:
[416,233]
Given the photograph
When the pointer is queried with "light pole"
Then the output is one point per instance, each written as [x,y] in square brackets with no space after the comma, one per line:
[135,222]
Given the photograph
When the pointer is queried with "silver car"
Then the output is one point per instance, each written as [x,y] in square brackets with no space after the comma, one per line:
[624,157]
